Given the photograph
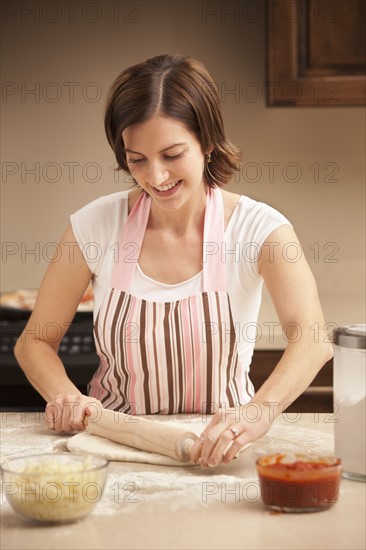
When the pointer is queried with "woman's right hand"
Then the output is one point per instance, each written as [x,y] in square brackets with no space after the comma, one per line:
[66,413]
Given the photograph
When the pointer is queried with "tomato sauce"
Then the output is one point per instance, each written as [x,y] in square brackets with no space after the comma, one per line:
[299,483]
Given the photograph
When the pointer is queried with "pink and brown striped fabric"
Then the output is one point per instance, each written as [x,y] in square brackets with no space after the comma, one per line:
[169,357]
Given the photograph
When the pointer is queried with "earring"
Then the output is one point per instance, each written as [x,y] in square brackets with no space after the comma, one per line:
[207,168]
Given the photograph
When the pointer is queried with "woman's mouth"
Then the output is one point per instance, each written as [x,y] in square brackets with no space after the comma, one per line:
[167,190]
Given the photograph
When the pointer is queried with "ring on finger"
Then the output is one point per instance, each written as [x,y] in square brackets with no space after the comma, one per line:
[234,431]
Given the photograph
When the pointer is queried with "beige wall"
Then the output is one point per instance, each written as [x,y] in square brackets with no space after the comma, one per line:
[43,128]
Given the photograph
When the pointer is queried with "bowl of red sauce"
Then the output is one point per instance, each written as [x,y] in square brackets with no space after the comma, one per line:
[297,482]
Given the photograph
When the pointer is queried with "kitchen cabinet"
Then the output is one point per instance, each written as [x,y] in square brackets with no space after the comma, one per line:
[316,53]
[318,397]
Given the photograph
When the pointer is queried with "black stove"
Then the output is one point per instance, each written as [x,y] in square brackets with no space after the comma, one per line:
[77,352]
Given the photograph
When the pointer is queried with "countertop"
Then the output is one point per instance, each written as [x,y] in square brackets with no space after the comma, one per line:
[145,506]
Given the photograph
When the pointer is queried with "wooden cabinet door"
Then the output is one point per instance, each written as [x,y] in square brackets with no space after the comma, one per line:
[316,52]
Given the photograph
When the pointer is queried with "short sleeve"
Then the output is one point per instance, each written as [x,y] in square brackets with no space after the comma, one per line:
[97,228]
[253,223]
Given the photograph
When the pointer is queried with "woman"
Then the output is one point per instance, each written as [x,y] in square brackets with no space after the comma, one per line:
[171,297]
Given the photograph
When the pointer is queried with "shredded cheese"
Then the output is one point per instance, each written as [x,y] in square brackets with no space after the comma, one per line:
[52,490]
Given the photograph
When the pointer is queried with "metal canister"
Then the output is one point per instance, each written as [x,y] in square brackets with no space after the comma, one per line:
[349,374]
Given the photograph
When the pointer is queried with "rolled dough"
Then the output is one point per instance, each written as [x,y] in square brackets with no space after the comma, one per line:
[100,446]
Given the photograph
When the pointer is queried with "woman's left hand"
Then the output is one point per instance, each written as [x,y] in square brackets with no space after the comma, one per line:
[228,432]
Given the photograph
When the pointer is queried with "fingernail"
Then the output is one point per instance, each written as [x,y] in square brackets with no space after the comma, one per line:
[212,463]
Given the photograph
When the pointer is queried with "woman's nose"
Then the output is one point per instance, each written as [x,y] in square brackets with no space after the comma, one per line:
[157,174]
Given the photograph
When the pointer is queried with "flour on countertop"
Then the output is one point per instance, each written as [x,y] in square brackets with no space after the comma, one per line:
[14,447]
[176,488]
[300,440]
[125,490]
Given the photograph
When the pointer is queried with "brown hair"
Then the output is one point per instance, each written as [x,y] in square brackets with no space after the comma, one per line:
[178,87]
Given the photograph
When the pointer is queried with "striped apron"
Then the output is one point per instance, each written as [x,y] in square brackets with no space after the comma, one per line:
[169,357]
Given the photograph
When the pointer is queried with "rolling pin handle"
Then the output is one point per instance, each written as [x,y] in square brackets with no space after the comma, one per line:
[187,445]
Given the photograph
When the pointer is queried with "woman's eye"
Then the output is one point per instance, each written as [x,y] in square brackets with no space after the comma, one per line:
[135,161]
[174,157]
[167,157]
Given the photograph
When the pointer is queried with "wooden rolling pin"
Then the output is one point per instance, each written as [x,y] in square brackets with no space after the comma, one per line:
[143,434]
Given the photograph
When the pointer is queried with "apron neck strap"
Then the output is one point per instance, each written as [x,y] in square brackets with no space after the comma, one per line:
[214,274]
[130,243]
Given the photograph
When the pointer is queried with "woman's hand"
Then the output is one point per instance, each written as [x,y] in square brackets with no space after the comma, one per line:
[66,413]
[228,432]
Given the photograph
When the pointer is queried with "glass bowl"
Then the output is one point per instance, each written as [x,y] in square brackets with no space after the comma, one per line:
[54,488]
[298,482]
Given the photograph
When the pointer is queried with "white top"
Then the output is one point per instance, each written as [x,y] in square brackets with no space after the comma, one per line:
[97,228]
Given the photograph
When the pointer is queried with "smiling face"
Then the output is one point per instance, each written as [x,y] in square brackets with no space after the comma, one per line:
[166,160]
